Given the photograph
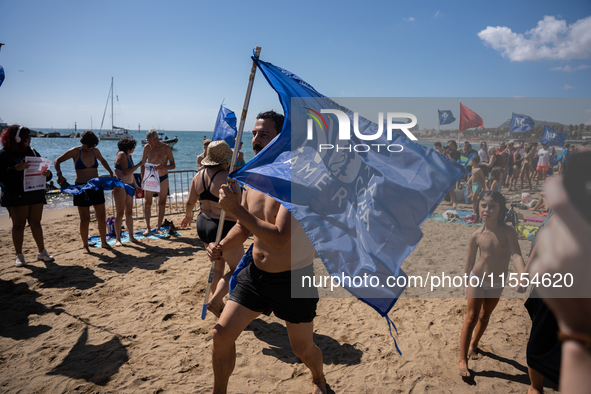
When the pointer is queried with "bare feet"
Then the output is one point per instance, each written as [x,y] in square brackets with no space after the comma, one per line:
[86,250]
[135,240]
[319,387]
[472,353]
[463,369]
[454,205]
[118,243]
[532,390]
[105,245]
[146,233]
[158,231]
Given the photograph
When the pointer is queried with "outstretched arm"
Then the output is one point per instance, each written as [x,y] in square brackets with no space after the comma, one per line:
[190,204]
[515,251]
[57,164]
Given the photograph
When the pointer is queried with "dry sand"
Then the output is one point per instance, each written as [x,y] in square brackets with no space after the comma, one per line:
[127,321]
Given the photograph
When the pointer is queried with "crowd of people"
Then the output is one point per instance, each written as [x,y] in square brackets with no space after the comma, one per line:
[281,249]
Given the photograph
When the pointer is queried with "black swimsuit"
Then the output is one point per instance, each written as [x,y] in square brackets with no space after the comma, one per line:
[207,228]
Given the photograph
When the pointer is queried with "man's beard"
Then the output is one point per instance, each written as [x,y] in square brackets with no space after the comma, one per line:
[257,148]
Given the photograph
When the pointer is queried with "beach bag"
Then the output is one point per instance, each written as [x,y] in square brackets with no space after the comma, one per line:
[111,226]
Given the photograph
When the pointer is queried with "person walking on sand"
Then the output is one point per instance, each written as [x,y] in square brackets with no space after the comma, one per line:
[498,244]
[279,251]
[23,206]
[86,158]
[205,189]
[124,169]
[159,154]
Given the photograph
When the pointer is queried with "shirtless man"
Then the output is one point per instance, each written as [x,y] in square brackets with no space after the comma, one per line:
[160,154]
[275,258]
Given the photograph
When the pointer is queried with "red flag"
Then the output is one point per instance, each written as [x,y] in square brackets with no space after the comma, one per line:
[469,118]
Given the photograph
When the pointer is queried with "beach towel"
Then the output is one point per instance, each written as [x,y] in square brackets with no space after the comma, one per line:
[95,240]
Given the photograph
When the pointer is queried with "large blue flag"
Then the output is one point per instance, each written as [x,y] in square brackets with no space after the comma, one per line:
[521,123]
[552,137]
[225,127]
[360,202]
[446,117]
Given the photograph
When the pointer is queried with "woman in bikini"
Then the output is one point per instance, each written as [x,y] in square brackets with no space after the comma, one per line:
[86,158]
[124,169]
[205,188]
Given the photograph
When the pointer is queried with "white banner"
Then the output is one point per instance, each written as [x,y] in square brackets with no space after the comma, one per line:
[151,181]
[33,178]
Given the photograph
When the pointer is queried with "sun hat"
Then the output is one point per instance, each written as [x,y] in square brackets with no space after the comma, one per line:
[218,152]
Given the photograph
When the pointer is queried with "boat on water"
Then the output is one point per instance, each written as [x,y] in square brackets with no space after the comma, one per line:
[116,133]
[163,138]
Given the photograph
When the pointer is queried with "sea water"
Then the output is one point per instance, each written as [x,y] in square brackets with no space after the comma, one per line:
[189,145]
[185,151]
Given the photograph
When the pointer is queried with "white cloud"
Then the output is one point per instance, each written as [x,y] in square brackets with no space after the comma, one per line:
[588,111]
[567,87]
[568,68]
[551,39]
[437,14]
[409,19]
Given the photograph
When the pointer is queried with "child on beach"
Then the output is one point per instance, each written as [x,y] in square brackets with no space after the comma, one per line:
[495,177]
[498,244]
[475,184]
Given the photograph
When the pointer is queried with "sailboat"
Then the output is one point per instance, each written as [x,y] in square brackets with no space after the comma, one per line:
[116,133]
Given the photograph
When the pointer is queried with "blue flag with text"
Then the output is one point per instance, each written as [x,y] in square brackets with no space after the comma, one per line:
[552,137]
[445,117]
[225,127]
[521,123]
[360,197]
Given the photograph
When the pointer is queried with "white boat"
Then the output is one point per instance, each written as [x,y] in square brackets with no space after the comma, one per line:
[116,133]
[162,138]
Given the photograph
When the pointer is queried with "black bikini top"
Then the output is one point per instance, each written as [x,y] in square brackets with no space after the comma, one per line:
[207,195]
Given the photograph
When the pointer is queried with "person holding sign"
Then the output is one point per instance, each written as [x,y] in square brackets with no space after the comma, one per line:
[24,201]
[86,158]
[158,155]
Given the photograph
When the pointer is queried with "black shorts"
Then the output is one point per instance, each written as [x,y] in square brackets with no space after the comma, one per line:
[267,292]
[207,228]
[21,199]
[89,198]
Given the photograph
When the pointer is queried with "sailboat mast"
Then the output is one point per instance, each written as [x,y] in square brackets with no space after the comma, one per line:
[112,129]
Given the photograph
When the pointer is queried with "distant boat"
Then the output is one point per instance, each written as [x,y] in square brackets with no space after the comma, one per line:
[162,138]
[116,133]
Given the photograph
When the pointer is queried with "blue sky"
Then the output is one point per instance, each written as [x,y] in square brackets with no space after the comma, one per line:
[175,61]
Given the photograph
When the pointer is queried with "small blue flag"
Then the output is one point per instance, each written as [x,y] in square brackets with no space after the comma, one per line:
[225,127]
[446,117]
[521,123]
[1,75]
[552,137]
[361,208]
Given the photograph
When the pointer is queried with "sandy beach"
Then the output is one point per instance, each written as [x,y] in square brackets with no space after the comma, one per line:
[128,320]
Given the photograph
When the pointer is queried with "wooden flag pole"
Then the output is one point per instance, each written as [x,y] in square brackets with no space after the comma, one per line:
[237,142]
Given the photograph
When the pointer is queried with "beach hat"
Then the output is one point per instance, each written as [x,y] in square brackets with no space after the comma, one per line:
[525,198]
[218,152]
